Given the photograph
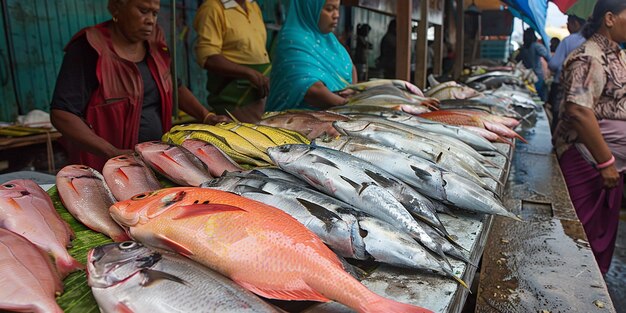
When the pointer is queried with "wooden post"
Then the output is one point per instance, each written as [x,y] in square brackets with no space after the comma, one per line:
[421,46]
[460,35]
[438,48]
[403,40]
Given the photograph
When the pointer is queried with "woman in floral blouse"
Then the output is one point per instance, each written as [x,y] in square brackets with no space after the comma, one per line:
[590,139]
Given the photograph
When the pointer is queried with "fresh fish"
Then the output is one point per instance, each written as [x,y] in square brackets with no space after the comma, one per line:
[29,281]
[179,136]
[272,172]
[422,175]
[354,181]
[336,223]
[174,162]
[129,277]
[475,141]
[282,136]
[259,247]
[27,210]
[234,140]
[307,124]
[401,84]
[86,196]
[407,143]
[215,159]
[476,120]
[127,175]
[255,137]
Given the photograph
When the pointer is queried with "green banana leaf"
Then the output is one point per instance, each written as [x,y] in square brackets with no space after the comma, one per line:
[77,296]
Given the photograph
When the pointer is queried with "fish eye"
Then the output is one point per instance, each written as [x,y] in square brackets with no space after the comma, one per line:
[140,196]
[123,158]
[284,148]
[9,186]
[127,245]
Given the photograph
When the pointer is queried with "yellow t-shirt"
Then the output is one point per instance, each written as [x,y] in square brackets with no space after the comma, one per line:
[223,27]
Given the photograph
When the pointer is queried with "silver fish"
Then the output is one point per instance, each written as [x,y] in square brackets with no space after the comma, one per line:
[350,179]
[129,277]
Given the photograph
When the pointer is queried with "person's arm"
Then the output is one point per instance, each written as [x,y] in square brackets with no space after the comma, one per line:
[584,122]
[77,131]
[189,104]
[355,77]
[545,53]
[219,64]
[321,97]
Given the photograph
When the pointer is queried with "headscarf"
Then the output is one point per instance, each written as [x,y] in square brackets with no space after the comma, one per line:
[305,56]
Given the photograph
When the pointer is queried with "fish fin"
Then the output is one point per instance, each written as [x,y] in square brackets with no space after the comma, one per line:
[122,307]
[153,276]
[321,160]
[320,212]
[303,293]
[194,210]
[66,265]
[354,185]
[381,180]
[246,188]
[174,246]
[421,173]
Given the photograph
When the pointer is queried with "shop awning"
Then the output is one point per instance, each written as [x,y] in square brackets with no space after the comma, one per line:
[533,13]
[580,8]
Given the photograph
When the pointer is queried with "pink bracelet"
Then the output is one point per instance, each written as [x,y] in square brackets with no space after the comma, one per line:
[606,164]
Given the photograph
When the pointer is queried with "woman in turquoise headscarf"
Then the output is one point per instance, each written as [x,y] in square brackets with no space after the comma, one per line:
[310,64]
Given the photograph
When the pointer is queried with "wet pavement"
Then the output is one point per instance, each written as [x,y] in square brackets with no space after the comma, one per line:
[543,264]
[616,277]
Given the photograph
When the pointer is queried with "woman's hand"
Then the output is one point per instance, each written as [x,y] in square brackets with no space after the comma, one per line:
[261,82]
[213,119]
[346,92]
[610,176]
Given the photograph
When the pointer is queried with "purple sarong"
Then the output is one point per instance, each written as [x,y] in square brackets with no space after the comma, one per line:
[596,207]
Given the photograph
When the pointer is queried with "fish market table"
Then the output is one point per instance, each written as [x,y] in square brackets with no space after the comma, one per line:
[431,291]
[543,264]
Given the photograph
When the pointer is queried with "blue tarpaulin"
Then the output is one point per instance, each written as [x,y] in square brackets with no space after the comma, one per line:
[533,13]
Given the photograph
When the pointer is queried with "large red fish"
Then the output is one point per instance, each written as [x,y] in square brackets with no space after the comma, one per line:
[27,210]
[258,246]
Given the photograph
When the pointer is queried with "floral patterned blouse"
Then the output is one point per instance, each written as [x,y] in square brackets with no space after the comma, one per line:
[594,76]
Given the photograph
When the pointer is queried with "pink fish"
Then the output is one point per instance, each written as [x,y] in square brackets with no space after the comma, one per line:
[27,210]
[215,159]
[127,175]
[174,162]
[87,197]
[28,279]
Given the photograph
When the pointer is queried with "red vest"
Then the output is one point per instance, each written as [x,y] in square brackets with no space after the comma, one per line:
[114,109]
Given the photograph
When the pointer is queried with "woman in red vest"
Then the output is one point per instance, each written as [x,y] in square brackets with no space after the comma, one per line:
[114,88]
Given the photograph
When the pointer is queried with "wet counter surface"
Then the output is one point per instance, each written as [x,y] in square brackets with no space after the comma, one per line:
[543,264]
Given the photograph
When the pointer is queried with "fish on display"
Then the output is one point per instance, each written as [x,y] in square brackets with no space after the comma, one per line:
[259,247]
[307,124]
[129,277]
[355,181]
[405,142]
[29,281]
[174,162]
[338,224]
[215,159]
[27,210]
[86,196]
[127,175]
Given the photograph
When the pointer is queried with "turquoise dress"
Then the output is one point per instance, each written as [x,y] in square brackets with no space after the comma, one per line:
[305,56]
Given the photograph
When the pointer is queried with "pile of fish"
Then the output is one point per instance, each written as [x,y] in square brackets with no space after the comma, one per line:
[269,209]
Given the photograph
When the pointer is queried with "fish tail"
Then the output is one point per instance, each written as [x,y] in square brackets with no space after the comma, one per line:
[381,304]
[66,265]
